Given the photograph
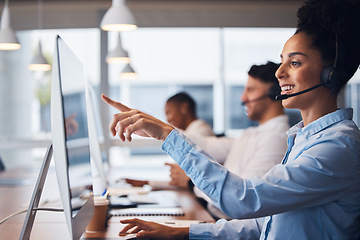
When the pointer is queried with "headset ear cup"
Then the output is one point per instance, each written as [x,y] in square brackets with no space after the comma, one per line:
[326,78]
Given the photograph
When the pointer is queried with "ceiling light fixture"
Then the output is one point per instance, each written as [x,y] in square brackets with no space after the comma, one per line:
[118,18]
[8,40]
[39,62]
[128,72]
[118,55]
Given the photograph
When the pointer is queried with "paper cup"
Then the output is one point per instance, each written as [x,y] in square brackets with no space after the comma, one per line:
[98,221]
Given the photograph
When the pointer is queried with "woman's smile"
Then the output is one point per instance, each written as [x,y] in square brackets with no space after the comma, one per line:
[286,88]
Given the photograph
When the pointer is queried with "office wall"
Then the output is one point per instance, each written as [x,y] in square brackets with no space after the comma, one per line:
[15,107]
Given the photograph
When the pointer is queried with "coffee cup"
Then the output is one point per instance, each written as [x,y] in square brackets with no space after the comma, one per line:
[98,221]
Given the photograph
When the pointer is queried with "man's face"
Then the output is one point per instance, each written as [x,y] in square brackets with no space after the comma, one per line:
[255,89]
[174,114]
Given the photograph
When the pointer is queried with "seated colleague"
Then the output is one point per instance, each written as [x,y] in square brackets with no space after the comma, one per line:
[314,193]
[180,111]
[257,149]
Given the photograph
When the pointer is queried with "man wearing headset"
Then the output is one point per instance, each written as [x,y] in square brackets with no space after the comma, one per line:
[258,148]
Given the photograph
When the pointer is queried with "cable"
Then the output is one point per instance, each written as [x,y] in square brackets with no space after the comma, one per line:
[49,209]
[12,215]
[36,209]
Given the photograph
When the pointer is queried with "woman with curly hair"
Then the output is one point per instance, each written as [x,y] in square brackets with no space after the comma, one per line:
[315,192]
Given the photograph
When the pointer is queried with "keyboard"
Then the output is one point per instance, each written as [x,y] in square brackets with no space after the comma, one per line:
[133,212]
[142,199]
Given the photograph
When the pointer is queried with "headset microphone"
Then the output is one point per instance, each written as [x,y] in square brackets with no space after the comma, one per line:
[285,96]
[254,100]
[272,93]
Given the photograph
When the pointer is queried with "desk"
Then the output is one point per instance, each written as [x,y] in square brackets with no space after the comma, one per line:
[52,225]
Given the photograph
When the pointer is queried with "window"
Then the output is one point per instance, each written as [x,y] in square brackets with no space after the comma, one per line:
[210,64]
[25,95]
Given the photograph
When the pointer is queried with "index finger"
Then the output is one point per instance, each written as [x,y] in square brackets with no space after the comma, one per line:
[119,106]
[134,222]
[170,164]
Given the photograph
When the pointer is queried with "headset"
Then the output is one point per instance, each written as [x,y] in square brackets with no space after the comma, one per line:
[334,75]
[331,76]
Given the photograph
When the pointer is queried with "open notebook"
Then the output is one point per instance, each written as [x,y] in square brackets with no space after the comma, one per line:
[148,211]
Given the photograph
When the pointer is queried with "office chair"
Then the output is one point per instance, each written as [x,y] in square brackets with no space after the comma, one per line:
[2,166]
[220,135]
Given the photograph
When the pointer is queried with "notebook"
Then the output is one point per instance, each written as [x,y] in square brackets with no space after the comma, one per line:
[150,211]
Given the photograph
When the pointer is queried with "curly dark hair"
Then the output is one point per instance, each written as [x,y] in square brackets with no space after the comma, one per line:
[321,19]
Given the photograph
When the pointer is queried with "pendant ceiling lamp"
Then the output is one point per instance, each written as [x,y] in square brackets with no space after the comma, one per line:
[39,63]
[118,18]
[118,55]
[8,40]
[128,72]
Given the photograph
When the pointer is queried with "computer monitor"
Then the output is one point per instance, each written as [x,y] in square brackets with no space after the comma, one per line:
[70,137]
[100,182]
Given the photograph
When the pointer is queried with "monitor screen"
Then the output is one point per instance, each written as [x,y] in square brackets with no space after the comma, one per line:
[70,137]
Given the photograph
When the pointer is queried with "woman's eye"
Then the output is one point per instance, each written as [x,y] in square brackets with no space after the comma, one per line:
[295,64]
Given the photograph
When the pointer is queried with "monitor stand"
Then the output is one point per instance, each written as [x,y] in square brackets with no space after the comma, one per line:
[35,199]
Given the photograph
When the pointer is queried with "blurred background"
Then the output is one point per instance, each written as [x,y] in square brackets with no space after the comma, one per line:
[202,47]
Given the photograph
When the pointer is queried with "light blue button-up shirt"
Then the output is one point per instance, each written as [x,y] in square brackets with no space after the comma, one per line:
[313,194]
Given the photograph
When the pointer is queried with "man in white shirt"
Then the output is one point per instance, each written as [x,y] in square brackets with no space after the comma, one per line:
[180,111]
[258,148]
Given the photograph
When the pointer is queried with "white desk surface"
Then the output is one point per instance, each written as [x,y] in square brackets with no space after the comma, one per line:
[52,225]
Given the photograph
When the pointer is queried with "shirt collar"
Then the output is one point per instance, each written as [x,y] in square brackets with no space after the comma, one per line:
[322,123]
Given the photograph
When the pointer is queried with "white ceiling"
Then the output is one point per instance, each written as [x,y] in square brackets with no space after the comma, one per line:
[158,13]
